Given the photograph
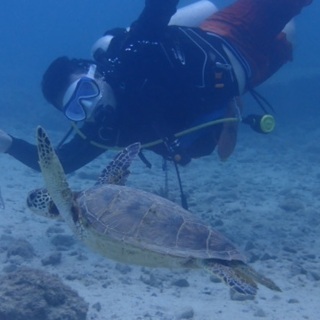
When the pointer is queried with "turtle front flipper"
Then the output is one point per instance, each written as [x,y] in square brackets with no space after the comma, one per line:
[55,178]
[40,203]
[117,170]
[238,281]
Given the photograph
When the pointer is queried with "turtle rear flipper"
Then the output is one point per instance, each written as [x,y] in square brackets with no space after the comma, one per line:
[237,281]
[250,272]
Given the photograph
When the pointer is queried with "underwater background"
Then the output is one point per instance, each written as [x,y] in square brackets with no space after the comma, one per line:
[33,33]
[265,198]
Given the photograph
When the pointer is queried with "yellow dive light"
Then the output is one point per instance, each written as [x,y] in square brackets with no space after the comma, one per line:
[267,123]
[260,123]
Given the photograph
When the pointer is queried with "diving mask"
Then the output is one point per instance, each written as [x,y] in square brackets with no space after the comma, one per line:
[81,97]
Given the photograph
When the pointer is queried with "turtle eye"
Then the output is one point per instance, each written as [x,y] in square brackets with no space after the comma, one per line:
[30,199]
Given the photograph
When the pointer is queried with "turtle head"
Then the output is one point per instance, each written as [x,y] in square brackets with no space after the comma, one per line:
[40,203]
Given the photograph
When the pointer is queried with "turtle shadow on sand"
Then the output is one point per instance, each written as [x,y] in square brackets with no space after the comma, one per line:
[136,227]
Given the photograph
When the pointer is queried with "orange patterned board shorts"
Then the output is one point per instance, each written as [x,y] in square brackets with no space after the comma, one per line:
[255,27]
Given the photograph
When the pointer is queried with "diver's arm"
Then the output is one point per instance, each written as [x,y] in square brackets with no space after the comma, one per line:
[24,152]
[154,17]
[5,141]
[78,152]
[73,155]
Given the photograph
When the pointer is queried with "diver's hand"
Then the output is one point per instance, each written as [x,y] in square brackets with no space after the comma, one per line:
[5,141]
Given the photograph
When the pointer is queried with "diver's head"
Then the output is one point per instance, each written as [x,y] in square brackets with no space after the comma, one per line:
[75,87]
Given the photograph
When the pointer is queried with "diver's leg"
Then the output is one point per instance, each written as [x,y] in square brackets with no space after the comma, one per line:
[258,20]
[254,28]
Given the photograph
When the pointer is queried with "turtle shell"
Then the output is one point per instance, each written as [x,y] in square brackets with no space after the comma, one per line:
[150,222]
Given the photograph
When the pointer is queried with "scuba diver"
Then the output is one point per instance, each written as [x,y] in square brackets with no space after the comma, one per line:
[165,84]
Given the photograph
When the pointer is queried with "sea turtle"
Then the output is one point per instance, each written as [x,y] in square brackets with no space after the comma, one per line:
[116,172]
[134,226]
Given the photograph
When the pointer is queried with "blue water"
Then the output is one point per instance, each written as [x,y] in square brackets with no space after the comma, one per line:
[33,33]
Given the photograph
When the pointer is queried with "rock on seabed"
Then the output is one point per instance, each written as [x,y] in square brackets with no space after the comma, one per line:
[34,294]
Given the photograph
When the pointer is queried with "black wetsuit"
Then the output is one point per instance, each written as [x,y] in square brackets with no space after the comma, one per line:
[165,78]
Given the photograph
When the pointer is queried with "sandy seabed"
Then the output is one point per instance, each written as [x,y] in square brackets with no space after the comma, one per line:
[265,198]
